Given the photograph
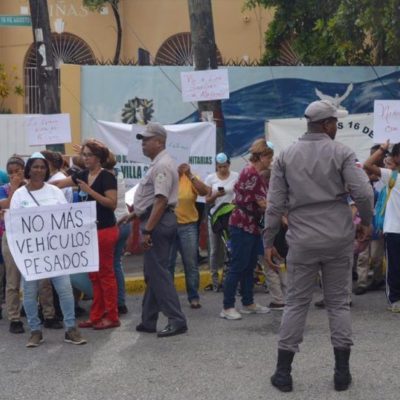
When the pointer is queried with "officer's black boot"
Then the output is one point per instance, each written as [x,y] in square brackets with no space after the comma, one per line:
[282,379]
[342,376]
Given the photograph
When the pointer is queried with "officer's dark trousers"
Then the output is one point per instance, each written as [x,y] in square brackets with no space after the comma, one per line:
[160,294]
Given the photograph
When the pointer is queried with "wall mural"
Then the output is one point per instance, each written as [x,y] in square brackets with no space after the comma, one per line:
[257,94]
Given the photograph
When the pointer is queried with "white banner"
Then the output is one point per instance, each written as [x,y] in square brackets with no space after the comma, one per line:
[354,131]
[193,143]
[210,84]
[387,121]
[50,241]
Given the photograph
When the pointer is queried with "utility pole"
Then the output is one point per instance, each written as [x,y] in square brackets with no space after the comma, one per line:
[46,74]
[205,57]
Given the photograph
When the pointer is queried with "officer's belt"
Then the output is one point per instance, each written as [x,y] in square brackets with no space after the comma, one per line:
[145,216]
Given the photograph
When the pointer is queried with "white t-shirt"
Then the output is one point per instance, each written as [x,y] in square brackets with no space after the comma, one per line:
[392,213]
[48,195]
[121,209]
[68,191]
[214,182]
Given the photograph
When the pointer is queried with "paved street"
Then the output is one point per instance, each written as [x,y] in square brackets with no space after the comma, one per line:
[217,359]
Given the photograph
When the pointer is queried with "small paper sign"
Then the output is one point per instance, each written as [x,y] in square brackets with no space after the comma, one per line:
[48,129]
[387,121]
[211,84]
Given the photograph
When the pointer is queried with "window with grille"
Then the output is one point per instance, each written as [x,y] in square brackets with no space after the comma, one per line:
[177,50]
[67,49]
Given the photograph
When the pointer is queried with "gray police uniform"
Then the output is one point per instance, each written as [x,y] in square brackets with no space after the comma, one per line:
[160,294]
[311,180]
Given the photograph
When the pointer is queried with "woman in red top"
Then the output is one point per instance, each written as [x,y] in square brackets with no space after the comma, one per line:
[250,200]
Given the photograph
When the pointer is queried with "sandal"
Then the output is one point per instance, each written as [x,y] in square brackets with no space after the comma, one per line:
[86,324]
[106,324]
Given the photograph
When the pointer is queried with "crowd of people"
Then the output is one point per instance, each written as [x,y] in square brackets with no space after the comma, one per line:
[309,218]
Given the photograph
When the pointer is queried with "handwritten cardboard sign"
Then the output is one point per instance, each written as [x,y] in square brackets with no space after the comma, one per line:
[48,129]
[49,241]
[387,121]
[206,85]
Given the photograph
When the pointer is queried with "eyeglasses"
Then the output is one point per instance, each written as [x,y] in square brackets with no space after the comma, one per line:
[87,155]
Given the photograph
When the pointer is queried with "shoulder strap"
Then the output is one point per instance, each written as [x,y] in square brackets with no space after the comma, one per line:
[30,194]
[393,179]
[392,182]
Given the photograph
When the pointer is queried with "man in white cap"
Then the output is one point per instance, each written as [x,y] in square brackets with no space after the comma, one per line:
[311,180]
[154,202]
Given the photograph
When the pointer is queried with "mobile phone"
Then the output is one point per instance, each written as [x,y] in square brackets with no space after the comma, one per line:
[220,188]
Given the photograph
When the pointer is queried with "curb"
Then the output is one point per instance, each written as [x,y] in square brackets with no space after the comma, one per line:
[136,285]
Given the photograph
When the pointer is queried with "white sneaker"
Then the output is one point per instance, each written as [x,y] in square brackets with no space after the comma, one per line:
[230,313]
[254,309]
[395,307]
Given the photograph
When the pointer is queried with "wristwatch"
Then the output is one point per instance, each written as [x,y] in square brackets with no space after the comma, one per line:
[146,232]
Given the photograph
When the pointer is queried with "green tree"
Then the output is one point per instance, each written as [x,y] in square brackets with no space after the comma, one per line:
[9,84]
[97,5]
[334,32]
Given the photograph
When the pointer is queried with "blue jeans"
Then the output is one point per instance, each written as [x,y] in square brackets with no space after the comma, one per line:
[63,287]
[187,243]
[124,232]
[241,269]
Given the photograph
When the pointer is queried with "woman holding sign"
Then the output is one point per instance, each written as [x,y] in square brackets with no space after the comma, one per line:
[99,185]
[34,194]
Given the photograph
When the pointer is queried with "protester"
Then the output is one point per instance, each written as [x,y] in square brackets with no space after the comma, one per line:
[15,169]
[309,181]
[56,163]
[34,194]
[97,184]
[155,199]
[371,258]
[244,228]
[9,271]
[391,225]
[187,238]
[221,183]
[124,231]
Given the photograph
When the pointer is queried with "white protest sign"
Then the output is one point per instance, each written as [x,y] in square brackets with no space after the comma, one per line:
[211,84]
[48,129]
[386,121]
[192,143]
[354,131]
[49,241]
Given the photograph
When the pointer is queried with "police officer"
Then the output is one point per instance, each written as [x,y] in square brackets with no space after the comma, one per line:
[310,179]
[155,199]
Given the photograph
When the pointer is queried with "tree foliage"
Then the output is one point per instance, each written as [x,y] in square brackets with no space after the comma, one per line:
[97,5]
[334,32]
[9,84]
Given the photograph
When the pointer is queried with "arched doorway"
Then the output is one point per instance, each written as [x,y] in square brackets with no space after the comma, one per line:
[67,49]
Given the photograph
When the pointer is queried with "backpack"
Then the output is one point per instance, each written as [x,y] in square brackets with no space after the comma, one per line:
[380,206]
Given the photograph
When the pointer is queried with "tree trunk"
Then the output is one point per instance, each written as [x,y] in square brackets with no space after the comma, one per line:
[114,6]
[49,99]
[205,56]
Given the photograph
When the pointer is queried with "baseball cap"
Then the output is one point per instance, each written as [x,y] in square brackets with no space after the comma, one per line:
[221,158]
[37,154]
[323,109]
[152,129]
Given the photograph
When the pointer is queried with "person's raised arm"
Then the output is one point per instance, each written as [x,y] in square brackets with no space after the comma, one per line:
[370,164]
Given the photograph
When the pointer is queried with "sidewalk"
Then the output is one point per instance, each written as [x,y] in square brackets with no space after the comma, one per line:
[134,281]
